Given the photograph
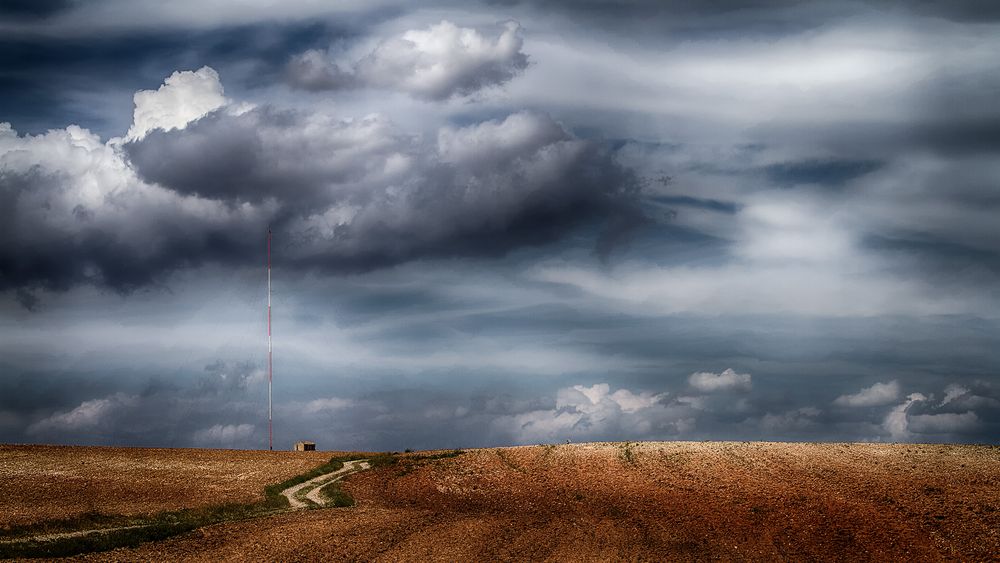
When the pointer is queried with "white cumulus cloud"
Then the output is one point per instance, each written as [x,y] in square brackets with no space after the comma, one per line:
[183,97]
[596,412]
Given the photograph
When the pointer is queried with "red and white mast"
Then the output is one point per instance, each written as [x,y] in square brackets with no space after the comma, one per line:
[270,434]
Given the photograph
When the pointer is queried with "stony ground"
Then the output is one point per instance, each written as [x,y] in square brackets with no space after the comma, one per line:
[649,501]
[46,482]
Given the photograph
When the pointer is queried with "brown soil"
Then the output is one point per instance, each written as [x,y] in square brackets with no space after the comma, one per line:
[649,501]
[47,482]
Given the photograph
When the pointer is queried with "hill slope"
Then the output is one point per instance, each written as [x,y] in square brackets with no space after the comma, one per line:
[49,482]
[693,500]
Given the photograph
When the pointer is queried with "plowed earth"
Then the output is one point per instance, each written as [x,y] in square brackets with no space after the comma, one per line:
[648,501]
[49,482]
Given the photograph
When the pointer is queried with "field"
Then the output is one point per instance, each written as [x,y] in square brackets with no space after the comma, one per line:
[53,482]
[646,501]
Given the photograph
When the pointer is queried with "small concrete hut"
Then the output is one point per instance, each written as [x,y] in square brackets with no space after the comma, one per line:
[305,446]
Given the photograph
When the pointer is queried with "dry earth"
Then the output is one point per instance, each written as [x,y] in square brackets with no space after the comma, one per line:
[649,501]
[47,482]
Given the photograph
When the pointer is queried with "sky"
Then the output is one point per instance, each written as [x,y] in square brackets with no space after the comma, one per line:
[499,222]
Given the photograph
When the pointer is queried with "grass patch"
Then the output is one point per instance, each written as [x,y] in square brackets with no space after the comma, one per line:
[381,460]
[406,463]
[335,495]
[442,455]
[626,453]
[153,527]
[391,459]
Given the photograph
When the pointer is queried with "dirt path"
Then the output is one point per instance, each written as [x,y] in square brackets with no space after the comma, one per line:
[297,500]
[306,495]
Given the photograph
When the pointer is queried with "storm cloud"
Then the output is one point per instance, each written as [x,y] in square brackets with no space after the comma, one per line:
[198,179]
[358,194]
[499,222]
[33,9]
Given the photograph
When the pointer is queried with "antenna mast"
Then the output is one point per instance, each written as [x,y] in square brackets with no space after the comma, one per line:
[270,434]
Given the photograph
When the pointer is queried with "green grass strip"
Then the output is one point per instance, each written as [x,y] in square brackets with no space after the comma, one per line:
[335,496]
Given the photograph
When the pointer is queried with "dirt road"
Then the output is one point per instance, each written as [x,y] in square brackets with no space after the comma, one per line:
[306,495]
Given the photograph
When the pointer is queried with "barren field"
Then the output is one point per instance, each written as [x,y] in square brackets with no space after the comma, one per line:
[47,482]
[648,501]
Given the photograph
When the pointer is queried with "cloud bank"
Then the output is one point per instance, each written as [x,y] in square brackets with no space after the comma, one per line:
[215,412]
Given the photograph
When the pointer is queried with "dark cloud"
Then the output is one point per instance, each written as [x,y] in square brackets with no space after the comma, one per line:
[664,8]
[27,392]
[55,247]
[779,14]
[960,136]
[958,10]
[222,156]
[956,136]
[934,255]
[727,207]
[862,146]
[358,195]
[312,71]
[822,172]
[167,416]
[770,14]
[678,21]
[883,105]
[26,299]
[341,196]
[224,378]
[33,9]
